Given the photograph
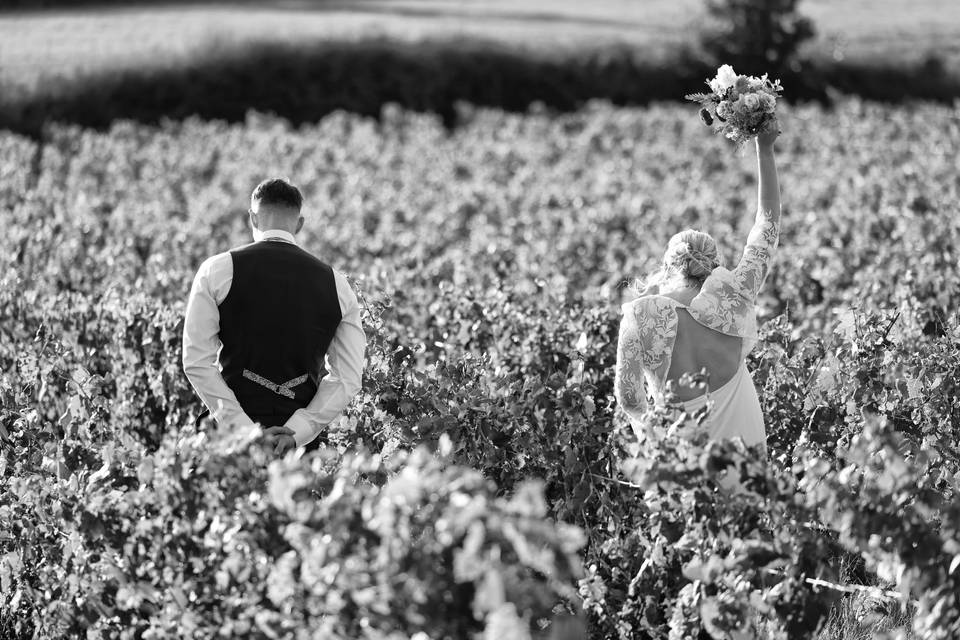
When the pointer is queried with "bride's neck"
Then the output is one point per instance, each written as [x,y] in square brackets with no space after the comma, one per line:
[682,290]
[681,294]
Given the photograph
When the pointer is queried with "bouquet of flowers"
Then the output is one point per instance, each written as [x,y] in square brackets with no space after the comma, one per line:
[739,106]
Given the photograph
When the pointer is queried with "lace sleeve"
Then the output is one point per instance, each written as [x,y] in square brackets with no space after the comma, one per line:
[753,267]
[629,384]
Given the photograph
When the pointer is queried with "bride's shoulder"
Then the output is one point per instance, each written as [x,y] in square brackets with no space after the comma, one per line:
[723,283]
[646,304]
[721,274]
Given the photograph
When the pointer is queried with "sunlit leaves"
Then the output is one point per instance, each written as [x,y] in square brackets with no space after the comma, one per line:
[490,261]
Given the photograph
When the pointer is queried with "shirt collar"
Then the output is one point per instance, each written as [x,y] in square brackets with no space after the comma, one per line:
[273,234]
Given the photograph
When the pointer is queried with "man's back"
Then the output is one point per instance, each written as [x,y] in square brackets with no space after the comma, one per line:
[276,324]
[272,334]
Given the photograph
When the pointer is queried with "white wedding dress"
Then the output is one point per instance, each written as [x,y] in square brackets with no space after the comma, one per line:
[726,303]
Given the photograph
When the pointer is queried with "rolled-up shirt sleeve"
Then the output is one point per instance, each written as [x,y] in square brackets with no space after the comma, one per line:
[201,340]
[344,364]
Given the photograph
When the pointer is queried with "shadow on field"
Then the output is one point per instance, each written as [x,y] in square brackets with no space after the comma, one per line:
[304,83]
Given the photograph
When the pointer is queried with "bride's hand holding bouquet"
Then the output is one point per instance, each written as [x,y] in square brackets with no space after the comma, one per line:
[739,106]
[765,139]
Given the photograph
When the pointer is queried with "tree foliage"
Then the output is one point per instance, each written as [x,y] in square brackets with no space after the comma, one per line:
[756,36]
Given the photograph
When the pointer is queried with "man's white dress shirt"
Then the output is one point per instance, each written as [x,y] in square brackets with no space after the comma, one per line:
[201,348]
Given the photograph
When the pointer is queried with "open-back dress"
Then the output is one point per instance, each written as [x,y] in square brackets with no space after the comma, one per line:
[726,303]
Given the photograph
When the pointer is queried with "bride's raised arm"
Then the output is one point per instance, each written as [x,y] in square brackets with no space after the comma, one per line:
[752,269]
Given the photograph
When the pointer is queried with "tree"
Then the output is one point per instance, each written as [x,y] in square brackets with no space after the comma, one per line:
[756,36]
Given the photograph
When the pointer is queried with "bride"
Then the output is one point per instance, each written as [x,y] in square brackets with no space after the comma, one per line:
[694,314]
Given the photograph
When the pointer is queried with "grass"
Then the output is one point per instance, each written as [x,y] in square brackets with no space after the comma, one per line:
[857,618]
[35,45]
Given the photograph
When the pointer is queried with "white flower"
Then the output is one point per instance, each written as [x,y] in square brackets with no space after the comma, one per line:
[751,101]
[740,106]
[726,77]
[724,109]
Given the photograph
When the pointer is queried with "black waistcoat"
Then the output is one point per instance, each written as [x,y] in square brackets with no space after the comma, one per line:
[276,325]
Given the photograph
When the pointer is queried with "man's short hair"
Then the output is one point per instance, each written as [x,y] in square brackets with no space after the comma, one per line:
[277,191]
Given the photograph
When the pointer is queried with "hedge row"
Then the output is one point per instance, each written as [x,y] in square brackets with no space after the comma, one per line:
[303,84]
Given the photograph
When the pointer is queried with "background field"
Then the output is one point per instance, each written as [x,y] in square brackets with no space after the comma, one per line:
[71,41]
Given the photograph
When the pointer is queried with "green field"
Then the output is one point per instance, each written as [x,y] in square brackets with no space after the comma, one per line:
[67,42]
[484,480]
[491,260]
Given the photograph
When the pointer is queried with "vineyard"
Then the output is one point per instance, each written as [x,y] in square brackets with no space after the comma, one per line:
[483,484]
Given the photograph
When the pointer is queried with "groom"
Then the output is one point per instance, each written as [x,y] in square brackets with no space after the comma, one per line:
[286,326]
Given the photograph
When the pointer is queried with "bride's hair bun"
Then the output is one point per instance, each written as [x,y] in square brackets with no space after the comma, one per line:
[692,255]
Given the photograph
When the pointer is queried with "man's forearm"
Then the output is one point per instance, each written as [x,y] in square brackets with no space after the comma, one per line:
[213,391]
[332,397]
[201,329]
[344,362]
